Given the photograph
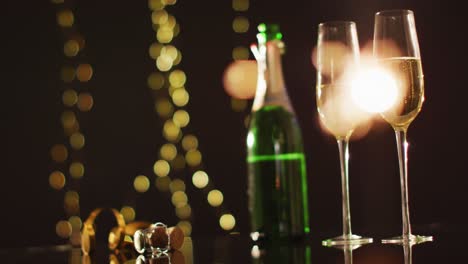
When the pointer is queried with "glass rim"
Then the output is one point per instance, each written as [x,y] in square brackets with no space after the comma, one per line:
[337,23]
[394,12]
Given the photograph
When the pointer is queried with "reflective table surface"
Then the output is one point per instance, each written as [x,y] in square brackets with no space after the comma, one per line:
[238,248]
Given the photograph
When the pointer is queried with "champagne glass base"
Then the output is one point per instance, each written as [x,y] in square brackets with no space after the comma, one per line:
[411,239]
[347,241]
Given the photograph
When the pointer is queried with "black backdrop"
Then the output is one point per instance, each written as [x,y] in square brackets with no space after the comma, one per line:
[123,131]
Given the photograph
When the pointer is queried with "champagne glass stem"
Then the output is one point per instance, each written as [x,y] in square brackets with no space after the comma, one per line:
[403,162]
[344,157]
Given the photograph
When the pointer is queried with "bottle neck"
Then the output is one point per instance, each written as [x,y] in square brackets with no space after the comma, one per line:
[271,89]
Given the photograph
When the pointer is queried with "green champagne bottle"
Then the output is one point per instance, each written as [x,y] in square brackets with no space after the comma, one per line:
[277,180]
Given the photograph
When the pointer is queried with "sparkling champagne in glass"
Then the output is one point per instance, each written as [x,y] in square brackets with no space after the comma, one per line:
[396,48]
[337,53]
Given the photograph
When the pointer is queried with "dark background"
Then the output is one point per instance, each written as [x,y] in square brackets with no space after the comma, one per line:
[123,132]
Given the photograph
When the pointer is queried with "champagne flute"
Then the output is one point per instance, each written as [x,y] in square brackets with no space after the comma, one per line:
[397,50]
[337,52]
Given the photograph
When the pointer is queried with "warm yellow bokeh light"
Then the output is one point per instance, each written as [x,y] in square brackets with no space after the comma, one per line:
[76,170]
[179,162]
[374,90]
[65,18]
[156,4]
[215,198]
[170,50]
[171,22]
[180,97]
[177,185]
[189,142]
[240,53]
[240,79]
[177,78]
[162,183]
[73,129]
[75,222]
[67,74]
[84,72]
[68,119]
[63,229]
[178,59]
[200,179]
[85,102]
[238,105]
[240,24]
[169,2]
[69,97]
[165,34]
[161,168]
[59,153]
[168,151]
[77,141]
[57,180]
[155,50]
[72,202]
[193,157]
[181,118]
[240,5]
[164,108]
[171,131]
[159,17]
[155,81]
[71,48]
[179,199]
[227,222]
[141,183]
[128,213]
[184,212]
[164,62]
[186,227]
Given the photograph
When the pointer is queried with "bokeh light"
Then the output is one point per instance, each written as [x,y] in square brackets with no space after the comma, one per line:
[215,198]
[71,48]
[170,51]
[193,157]
[72,202]
[171,131]
[84,72]
[240,79]
[156,4]
[189,142]
[65,18]
[69,97]
[200,179]
[67,74]
[68,119]
[240,53]
[77,141]
[75,222]
[165,34]
[85,102]
[155,81]
[227,222]
[177,78]
[186,227]
[161,168]
[164,107]
[181,118]
[168,151]
[76,170]
[159,17]
[155,50]
[179,199]
[141,183]
[164,62]
[57,180]
[180,97]
[128,213]
[179,162]
[63,229]
[162,183]
[177,185]
[184,212]
[240,24]
[240,5]
[238,105]
[59,153]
